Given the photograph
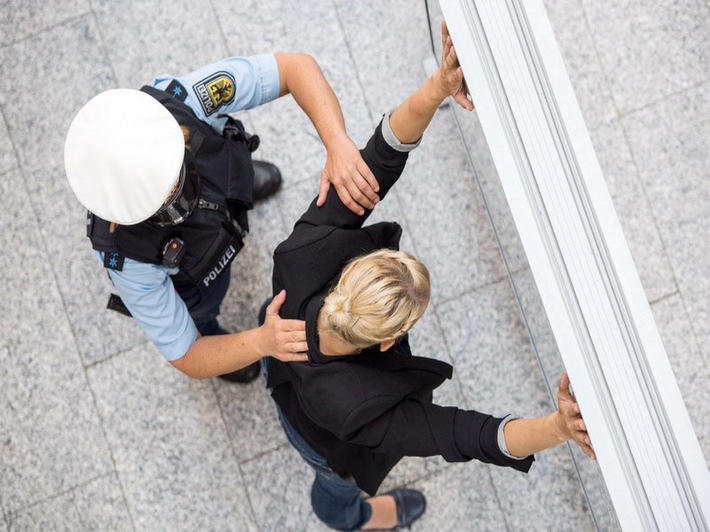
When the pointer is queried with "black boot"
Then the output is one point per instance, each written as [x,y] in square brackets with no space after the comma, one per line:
[244,375]
[267,180]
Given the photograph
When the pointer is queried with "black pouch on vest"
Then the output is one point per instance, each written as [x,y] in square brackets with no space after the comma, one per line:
[240,168]
[226,246]
[117,304]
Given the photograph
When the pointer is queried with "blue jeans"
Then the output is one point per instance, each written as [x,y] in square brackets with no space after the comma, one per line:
[335,500]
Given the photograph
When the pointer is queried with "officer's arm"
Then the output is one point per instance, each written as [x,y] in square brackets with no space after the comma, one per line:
[301,76]
[210,356]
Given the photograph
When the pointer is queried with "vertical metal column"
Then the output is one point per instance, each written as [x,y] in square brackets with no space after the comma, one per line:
[647,450]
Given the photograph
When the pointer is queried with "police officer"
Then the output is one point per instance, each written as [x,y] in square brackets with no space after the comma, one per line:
[168,178]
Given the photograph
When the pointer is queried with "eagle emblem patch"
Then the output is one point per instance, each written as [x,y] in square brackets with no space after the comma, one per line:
[215,91]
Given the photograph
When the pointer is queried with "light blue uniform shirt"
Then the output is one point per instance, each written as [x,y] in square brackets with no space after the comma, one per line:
[230,85]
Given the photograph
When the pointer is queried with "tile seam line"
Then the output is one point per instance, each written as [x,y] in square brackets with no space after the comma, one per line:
[117,354]
[77,352]
[248,495]
[672,94]
[67,491]
[222,34]
[17,166]
[281,447]
[109,447]
[232,446]
[92,18]
[665,297]
[360,85]
[48,28]
[471,290]
[102,42]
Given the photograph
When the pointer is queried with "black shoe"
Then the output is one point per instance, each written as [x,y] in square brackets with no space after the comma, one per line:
[411,504]
[267,180]
[244,375]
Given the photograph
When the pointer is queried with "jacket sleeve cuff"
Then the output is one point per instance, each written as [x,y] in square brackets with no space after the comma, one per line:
[501,437]
[391,139]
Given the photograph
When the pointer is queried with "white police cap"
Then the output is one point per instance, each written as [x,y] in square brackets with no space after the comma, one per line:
[123,154]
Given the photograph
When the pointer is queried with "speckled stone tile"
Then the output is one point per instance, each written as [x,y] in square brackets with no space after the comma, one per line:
[461,497]
[690,364]
[579,51]
[96,505]
[668,144]
[22,19]
[288,137]
[499,375]
[7,151]
[279,487]
[492,354]
[74,45]
[549,497]
[81,279]
[50,432]
[144,39]
[388,42]
[250,416]
[490,189]
[634,211]
[171,450]
[650,52]
[456,241]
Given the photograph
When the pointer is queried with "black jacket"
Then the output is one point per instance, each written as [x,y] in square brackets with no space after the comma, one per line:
[364,412]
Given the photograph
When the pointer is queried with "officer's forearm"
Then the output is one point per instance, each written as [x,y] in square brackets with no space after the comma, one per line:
[210,356]
[301,76]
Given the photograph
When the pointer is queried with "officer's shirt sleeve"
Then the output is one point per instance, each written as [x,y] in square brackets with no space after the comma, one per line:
[148,292]
[227,86]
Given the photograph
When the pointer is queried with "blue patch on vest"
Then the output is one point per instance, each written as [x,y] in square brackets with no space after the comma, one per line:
[113,260]
[176,90]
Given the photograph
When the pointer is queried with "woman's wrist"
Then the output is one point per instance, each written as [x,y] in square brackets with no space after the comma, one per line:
[559,430]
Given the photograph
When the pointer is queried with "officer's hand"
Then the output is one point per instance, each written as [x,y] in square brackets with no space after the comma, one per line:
[283,339]
[354,182]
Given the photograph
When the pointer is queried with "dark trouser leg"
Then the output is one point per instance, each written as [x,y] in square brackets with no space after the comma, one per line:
[335,500]
[204,307]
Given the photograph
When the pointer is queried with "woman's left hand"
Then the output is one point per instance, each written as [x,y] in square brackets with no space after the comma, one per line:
[452,73]
[569,418]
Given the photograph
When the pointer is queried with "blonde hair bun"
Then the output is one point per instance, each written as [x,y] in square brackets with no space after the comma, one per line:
[378,297]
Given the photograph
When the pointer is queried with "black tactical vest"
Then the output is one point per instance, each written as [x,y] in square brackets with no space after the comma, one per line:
[213,233]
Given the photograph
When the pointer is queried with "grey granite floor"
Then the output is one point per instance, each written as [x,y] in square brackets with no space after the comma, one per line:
[97,432]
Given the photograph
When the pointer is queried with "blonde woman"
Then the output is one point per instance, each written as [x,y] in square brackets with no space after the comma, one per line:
[362,401]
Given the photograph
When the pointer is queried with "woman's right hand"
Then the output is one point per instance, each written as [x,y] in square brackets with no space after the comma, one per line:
[569,418]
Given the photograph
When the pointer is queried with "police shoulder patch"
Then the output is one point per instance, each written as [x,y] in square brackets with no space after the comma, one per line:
[215,91]
[113,260]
